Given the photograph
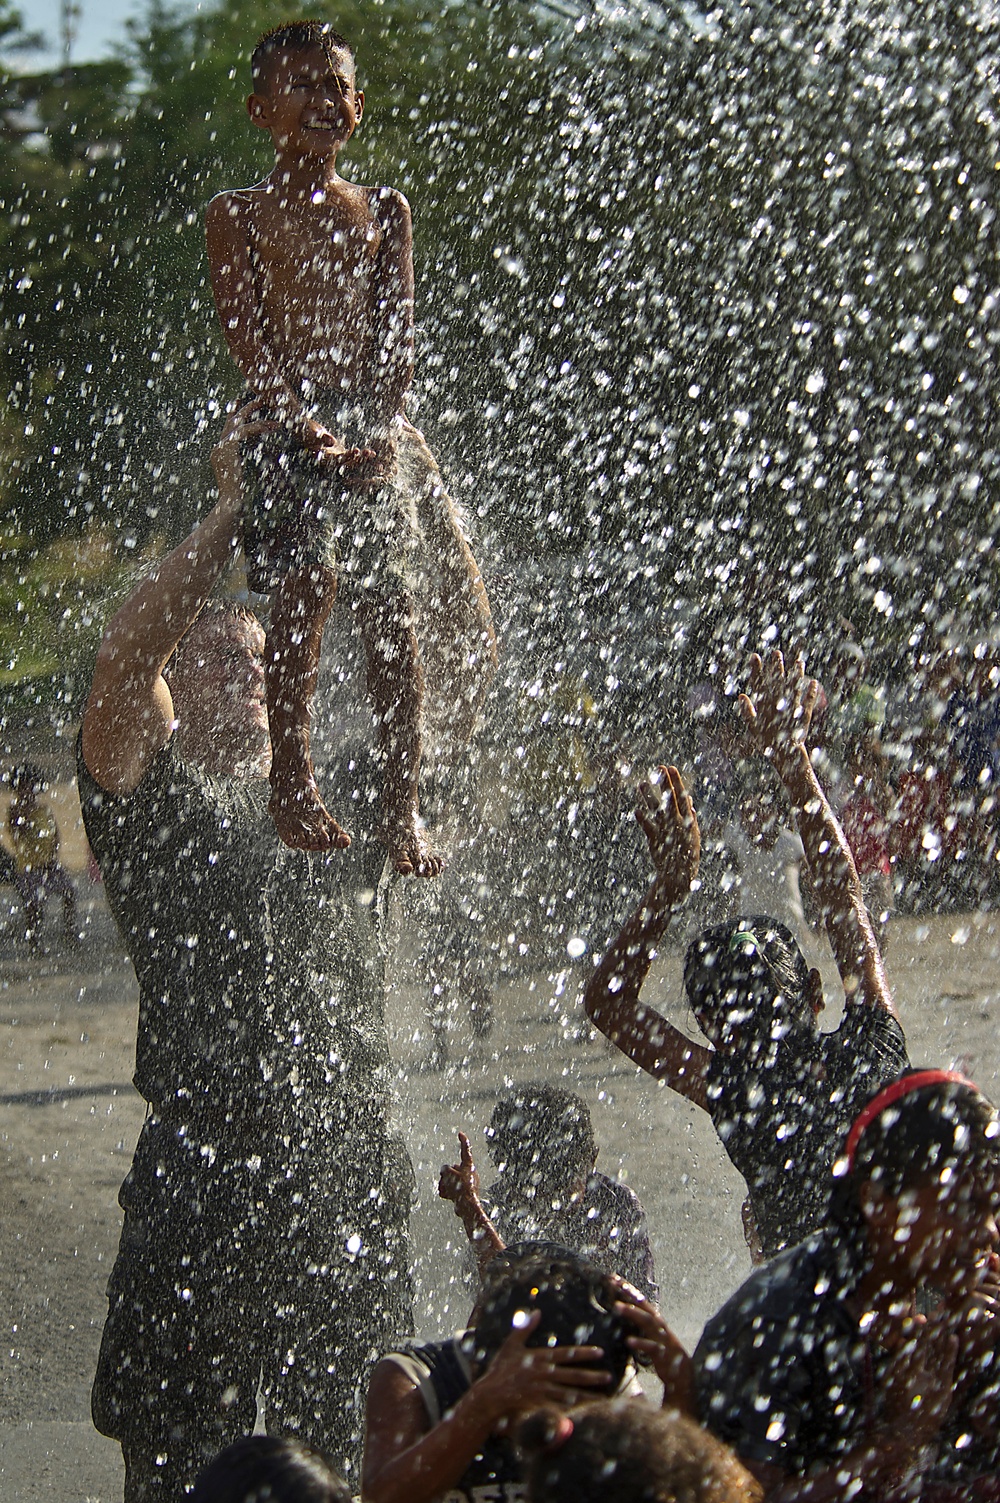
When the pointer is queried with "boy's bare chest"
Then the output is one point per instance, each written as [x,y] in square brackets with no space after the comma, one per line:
[316,247]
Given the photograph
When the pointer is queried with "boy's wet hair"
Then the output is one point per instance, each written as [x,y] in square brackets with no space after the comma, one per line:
[542,1137]
[293,36]
[269,1466]
[747,969]
[575,1298]
[621,1451]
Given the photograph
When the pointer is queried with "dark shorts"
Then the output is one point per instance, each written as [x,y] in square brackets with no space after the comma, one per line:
[296,516]
[238,1267]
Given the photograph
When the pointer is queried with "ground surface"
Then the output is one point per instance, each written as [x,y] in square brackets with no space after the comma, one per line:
[69,1119]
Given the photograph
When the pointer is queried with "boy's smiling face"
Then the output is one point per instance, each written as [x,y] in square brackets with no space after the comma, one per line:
[311,105]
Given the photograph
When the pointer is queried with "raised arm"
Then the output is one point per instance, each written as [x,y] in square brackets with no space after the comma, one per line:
[777,709]
[129,713]
[666,814]
[390,380]
[459,1183]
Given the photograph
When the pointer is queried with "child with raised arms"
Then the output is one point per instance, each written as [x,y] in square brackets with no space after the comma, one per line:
[313,280]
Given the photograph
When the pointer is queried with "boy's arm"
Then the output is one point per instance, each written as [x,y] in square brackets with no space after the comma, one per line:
[129,713]
[231,267]
[777,710]
[611,1000]
[390,380]
[459,1183]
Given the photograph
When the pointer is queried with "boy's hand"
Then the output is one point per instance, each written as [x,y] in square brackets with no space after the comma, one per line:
[354,468]
[666,815]
[460,1182]
[778,707]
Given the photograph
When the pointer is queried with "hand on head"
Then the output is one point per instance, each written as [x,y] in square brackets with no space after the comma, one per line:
[777,709]
[657,1344]
[522,1377]
[666,815]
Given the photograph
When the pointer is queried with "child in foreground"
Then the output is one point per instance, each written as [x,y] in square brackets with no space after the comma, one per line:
[313,280]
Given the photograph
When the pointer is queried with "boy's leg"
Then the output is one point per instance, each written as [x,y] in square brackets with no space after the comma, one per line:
[299,608]
[395,683]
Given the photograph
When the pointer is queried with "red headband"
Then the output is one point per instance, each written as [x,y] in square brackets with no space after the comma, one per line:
[894,1092]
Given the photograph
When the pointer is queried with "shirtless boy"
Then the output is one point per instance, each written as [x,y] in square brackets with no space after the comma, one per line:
[313,280]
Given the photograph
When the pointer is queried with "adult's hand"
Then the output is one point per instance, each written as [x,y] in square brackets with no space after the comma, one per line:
[522,1377]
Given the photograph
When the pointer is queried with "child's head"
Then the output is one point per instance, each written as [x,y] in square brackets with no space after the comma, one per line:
[542,1140]
[747,980]
[625,1451]
[260,1467]
[919,1178]
[293,37]
[305,91]
[575,1297]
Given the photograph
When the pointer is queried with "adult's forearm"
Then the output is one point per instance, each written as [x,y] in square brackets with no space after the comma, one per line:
[161,608]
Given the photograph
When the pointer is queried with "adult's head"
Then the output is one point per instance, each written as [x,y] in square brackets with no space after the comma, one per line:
[542,1140]
[269,1469]
[919,1179]
[216,682]
[625,1451]
[747,982]
[575,1298]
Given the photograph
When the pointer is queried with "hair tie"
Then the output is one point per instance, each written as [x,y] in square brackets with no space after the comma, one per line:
[743,937]
[895,1091]
[560,1435]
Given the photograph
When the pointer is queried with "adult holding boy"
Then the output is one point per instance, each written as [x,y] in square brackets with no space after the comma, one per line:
[265,1234]
[313,279]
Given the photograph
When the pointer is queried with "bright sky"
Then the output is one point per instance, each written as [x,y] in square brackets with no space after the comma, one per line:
[100,25]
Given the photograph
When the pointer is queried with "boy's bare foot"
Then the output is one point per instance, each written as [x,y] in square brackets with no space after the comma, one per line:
[302,819]
[411,852]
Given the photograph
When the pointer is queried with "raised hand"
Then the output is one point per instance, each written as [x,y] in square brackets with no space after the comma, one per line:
[777,708]
[666,816]
[240,426]
[460,1182]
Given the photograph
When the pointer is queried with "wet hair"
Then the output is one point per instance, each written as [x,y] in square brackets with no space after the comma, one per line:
[216,610]
[625,1451]
[747,971]
[26,777]
[293,36]
[944,1125]
[269,1469]
[574,1296]
[542,1138]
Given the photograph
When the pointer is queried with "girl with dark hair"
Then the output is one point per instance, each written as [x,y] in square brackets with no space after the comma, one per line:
[269,1469]
[780,1093]
[617,1451]
[819,1368]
